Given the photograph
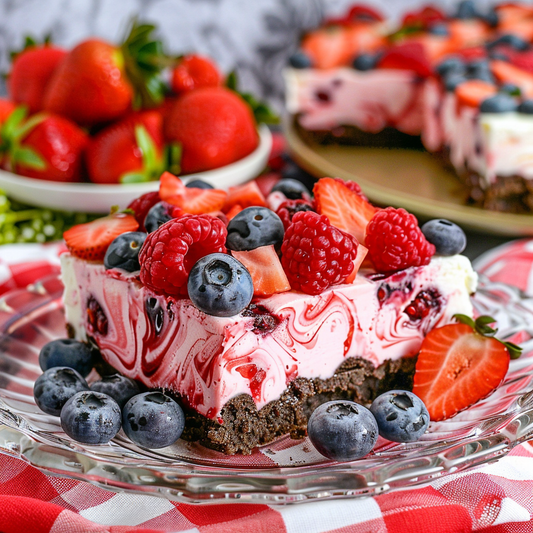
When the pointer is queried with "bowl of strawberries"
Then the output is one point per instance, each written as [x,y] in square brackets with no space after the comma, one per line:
[95,126]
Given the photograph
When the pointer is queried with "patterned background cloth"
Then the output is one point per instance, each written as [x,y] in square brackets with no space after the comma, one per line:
[254,36]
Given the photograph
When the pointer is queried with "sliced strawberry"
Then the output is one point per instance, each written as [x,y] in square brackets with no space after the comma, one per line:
[507,73]
[90,241]
[457,366]
[235,210]
[246,195]
[466,33]
[473,92]
[423,18]
[265,182]
[328,47]
[473,52]
[345,209]
[407,56]
[358,261]
[191,199]
[265,268]
[522,60]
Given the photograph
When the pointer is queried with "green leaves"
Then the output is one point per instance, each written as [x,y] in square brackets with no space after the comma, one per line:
[261,111]
[482,327]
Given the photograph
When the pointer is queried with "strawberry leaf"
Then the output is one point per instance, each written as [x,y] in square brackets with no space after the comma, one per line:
[173,153]
[133,177]
[465,319]
[152,163]
[29,158]
[515,351]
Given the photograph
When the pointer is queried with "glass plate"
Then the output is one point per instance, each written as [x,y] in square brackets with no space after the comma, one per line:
[286,471]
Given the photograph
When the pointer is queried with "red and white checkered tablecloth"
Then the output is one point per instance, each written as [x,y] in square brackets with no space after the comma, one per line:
[495,498]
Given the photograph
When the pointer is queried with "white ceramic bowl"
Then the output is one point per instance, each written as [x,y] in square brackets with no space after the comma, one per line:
[92,198]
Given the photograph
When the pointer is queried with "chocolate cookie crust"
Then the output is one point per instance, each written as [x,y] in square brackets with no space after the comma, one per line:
[244,427]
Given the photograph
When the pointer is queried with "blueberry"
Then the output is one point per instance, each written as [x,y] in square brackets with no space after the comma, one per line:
[497,54]
[219,285]
[123,252]
[466,10]
[293,171]
[53,388]
[499,103]
[67,352]
[447,237]
[91,417]
[480,70]
[526,107]
[158,215]
[199,184]
[451,64]
[482,75]
[291,188]
[342,430]
[365,62]
[119,387]
[510,88]
[300,60]
[439,29]
[401,416]
[510,39]
[453,80]
[491,18]
[254,227]
[153,420]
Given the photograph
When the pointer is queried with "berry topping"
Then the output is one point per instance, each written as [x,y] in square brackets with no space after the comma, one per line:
[96,317]
[287,209]
[479,69]
[505,72]
[193,200]
[91,417]
[353,186]
[364,62]
[265,268]
[526,107]
[123,252]
[90,240]
[292,189]
[407,56]
[316,254]
[53,388]
[499,103]
[451,64]
[466,10]
[119,387]
[140,206]
[247,195]
[509,39]
[169,253]
[422,304]
[220,285]
[401,416]
[342,430]
[300,60]
[345,209]
[473,92]
[254,227]
[67,352]
[198,184]
[159,214]
[448,238]
[459,364]
[395,241]
[153,420]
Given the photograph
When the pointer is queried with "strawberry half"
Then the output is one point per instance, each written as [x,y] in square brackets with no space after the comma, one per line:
[473,92]
[345,209]
[90,241]
[459,364]
[191,199]
[507,73]
[407,56]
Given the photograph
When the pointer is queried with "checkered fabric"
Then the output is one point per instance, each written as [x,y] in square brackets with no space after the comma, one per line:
[495,498]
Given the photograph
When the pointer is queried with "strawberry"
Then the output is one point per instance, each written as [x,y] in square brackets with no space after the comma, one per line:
[30,73]
[265,268]
[98,82]
[214,126]
[468,33]
[235,210]
[90,241]
[265,182]
[193,72]
[140,206]
[45,146]
[507,73]
[328,47]
[128,151]
[473,92]
[459,364]
[522,60]
[6,108]
[407,56]
[364,12]
[344,208]
[246,195]
[190,199]
[423,18]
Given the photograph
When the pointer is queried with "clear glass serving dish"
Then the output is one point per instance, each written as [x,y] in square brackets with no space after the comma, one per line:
[286,471]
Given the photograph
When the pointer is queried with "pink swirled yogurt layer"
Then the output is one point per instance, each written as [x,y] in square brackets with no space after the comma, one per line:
[167,342]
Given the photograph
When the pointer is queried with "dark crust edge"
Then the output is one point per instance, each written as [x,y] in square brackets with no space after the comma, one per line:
[244,427]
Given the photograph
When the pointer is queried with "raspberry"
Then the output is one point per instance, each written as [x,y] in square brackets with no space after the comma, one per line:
[140,206]
[316,254]
[395,241]
[354,187]
[169,253]
[289,208]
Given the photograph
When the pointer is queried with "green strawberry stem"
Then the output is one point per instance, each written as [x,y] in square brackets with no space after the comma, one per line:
[481,326]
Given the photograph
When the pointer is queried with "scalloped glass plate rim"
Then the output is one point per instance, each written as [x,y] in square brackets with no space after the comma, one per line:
[138,470]
[93,198]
